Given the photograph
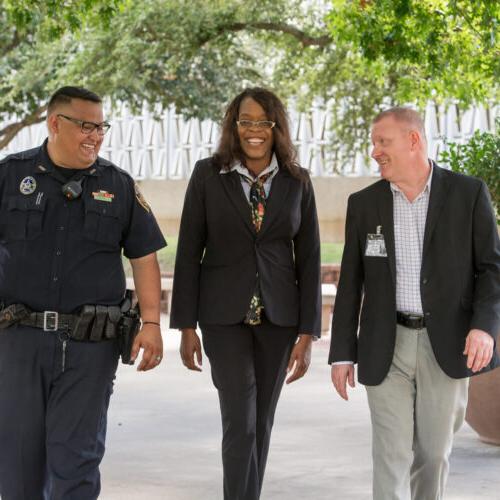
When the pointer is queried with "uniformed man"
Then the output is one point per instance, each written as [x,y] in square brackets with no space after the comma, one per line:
[65,216]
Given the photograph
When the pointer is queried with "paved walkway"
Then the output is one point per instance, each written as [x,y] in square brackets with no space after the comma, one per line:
[164,437]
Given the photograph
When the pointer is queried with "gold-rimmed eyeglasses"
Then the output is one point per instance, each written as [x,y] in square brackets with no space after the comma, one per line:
[262,124]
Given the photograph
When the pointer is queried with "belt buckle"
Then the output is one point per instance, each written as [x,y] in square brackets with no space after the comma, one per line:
[50,321]
[416,320]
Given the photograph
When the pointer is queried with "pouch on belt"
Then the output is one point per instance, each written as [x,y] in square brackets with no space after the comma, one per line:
[101,314]
[83,322]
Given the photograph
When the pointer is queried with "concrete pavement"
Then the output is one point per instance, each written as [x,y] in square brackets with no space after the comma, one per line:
[164,440]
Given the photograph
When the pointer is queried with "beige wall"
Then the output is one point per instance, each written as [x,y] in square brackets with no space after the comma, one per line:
[331,201]
[166,199]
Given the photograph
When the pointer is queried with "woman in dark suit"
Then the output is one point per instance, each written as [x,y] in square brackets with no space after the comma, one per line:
[248,272]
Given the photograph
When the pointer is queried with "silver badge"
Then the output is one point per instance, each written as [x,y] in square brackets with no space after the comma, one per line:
[28,185]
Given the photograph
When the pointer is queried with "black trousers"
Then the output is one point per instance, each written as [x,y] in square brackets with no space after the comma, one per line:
[248,369]
[52,422]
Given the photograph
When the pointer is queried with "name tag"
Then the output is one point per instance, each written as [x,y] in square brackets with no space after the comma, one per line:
[375,244]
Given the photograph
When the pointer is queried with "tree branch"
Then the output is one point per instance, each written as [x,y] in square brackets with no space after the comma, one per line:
[10,131]
[305,39]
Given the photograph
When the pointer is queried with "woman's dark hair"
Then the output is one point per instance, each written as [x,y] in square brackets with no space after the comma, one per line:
[229,149]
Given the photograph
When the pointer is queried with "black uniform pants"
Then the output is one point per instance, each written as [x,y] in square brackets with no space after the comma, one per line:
[248,366]
[52,423]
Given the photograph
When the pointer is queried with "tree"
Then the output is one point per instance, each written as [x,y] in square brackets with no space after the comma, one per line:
[32,46]
[439,49]
[358,55]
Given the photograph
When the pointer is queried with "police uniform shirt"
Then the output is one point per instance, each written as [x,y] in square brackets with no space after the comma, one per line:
[59,254]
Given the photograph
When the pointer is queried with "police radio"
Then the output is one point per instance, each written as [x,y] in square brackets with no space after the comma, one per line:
[72,189]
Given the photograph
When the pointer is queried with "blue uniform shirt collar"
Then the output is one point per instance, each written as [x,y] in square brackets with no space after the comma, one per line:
[45,165]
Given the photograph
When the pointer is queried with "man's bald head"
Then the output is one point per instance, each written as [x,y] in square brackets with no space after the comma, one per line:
[404,115]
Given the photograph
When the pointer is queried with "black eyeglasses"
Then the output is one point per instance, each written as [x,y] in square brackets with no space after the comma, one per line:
[262,124]
[88,127]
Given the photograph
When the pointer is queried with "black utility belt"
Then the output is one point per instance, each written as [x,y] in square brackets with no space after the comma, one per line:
[93,322]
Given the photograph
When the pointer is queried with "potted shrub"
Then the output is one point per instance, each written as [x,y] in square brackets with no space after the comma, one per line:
[480,157]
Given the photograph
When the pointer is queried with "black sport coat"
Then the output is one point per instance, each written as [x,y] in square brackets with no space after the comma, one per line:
[219,253]
[460,277]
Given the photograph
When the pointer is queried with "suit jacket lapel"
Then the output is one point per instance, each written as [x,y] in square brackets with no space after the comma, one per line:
[232,185]
[275,200]
[386,213]
[439,188]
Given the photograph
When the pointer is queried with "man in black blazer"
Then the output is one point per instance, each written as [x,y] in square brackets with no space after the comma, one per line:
[420,277]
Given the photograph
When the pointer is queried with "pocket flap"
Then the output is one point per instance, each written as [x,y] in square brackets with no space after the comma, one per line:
[105,208]
[26,203]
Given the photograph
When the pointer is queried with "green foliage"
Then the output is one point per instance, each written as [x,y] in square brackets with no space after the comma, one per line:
[480,157]
[359,55]
[53,17]
[436,49]
[331,253]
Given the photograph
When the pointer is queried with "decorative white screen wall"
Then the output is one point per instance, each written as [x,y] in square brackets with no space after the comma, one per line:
[168,147]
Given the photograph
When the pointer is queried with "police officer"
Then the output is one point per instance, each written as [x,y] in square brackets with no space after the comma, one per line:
[65,216]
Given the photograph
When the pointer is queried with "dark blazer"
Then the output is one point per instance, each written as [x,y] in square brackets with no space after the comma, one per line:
[460,277]
[219,253]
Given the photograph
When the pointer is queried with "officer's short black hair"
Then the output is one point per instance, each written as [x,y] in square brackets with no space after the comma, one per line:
[64,95]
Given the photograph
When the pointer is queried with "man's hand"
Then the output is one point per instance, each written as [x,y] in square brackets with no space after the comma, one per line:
[479,349]
[148,288]
[341,374]
[300,357]
[191,348]
[149,339]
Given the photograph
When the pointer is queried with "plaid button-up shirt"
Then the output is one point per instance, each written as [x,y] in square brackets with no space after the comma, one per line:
[409,228]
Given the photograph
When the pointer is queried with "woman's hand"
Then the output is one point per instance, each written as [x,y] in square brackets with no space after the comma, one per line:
[191,348]
[300,357]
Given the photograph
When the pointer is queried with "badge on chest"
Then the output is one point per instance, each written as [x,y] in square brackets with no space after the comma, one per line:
[375,244]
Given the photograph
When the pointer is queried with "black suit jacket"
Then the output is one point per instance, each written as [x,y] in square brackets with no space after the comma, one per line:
[219,253]
[460,277]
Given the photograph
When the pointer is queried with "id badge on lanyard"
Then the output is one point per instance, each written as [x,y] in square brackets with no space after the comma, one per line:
[375,244]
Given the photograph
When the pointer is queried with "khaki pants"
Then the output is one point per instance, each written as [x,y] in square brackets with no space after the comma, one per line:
[415,411]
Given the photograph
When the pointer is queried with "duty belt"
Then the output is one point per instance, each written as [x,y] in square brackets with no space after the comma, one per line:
[93,322]
[50,321]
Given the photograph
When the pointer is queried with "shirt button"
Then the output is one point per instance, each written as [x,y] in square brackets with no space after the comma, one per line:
[58,252]
[424,281]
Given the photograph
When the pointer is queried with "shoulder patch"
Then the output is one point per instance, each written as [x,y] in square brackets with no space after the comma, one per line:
[140,198]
